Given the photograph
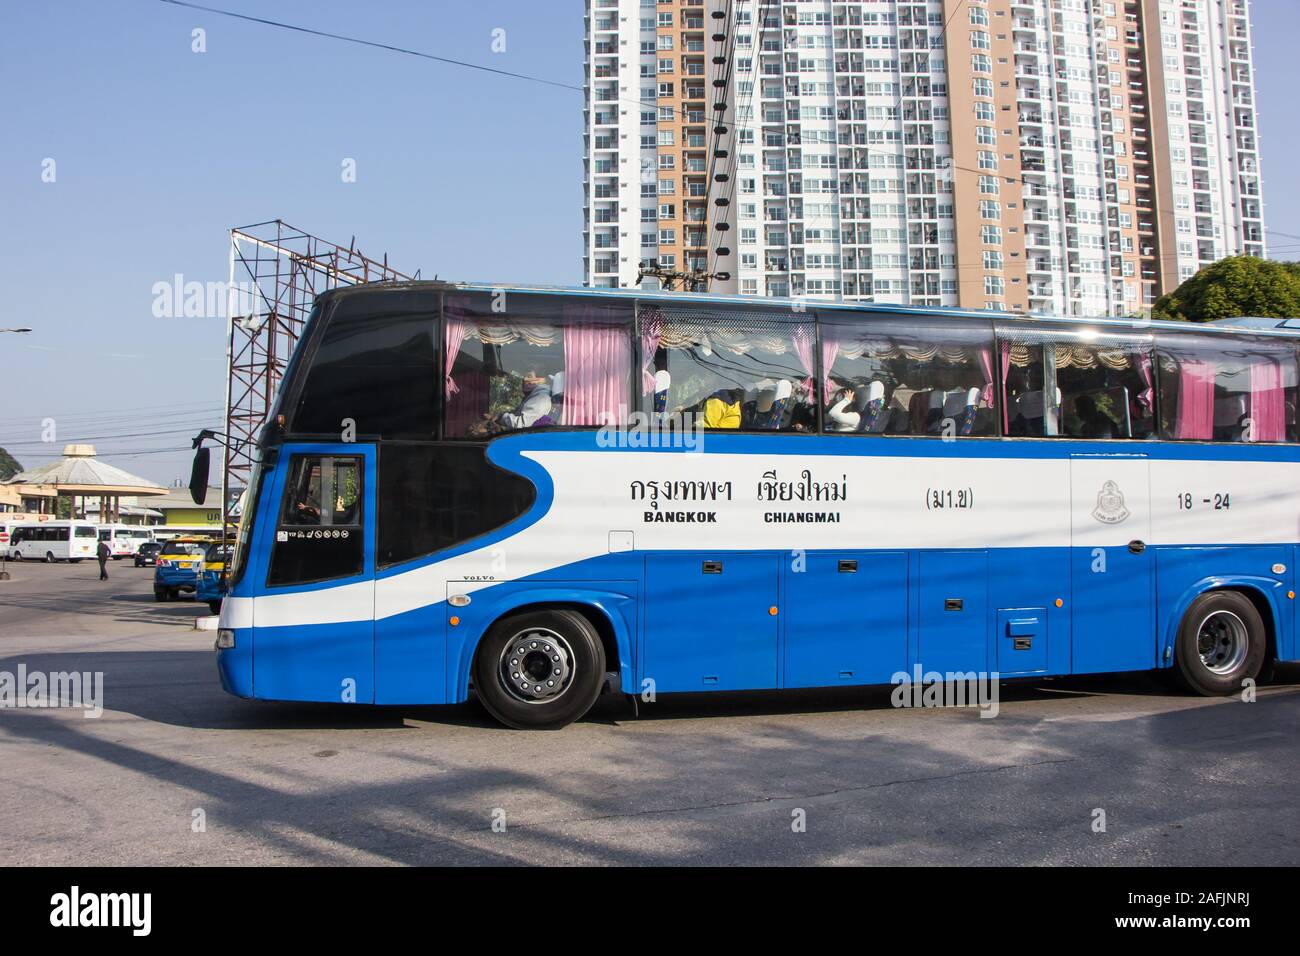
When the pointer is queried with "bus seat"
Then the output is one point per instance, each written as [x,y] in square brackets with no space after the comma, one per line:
[874,411]
[662,381]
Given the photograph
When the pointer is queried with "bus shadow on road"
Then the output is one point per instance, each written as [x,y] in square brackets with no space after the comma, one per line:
[121,608]
[181,687]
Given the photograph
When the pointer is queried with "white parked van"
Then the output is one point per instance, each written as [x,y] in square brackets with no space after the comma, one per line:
[53,541]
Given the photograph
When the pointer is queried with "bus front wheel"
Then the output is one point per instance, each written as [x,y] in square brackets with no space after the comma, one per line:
[49,557]
[540,669]
[1221,642]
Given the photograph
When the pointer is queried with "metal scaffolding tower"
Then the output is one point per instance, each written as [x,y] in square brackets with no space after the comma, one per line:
[276,272]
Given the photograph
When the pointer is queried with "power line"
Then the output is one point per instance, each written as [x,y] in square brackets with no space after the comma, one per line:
[28,443]
[392,48]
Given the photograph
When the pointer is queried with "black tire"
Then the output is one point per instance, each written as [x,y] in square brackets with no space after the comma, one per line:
[1221,642]
[16,556]
[138,563]
[214,607]
[561,634]
[160,594]
[49,557]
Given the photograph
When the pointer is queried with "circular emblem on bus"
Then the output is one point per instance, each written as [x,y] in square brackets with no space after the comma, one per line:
[1110,504]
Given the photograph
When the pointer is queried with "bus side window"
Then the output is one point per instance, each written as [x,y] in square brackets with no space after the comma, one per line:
[536,362]
[1242,390]
[908,377]
[319,534]
[1089,384]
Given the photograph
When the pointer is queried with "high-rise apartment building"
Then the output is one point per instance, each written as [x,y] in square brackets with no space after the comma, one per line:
[657,79]
[1078,157]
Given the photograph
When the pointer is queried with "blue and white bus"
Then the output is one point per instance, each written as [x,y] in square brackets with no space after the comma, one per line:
[792,495]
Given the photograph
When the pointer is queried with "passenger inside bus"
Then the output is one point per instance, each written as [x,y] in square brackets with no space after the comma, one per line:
[772,405]
[843,415]
[1091,421]
[722,409]
[541,394]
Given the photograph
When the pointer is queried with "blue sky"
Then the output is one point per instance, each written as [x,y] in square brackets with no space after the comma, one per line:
[160,150]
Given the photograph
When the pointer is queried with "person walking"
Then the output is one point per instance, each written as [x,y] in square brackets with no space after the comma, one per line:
[103,553]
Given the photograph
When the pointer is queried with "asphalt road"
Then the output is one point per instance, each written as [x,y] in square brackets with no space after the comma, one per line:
[693,779]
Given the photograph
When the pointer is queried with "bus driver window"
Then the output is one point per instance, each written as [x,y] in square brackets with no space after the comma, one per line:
[319,535]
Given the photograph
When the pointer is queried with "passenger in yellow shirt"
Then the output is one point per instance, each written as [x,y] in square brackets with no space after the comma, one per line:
[722,409]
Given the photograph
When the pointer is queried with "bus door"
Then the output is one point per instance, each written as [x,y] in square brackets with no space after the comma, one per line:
[314,610]
[1110,563]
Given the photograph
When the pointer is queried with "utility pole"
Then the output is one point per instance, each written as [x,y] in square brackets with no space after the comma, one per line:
[696,280]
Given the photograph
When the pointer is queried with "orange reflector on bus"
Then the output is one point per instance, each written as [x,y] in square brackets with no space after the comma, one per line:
[453,621]
[1060,603]
[772,610]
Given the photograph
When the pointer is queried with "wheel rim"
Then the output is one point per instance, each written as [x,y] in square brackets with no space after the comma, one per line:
[1222,642]
[536,666]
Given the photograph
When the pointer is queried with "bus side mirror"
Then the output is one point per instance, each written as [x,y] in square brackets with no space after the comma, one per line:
[199,475]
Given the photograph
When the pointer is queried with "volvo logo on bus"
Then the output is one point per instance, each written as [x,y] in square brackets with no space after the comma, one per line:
[1110,504]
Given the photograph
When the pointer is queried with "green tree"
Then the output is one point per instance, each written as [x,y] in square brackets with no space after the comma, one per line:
[1232,287]
[8,465]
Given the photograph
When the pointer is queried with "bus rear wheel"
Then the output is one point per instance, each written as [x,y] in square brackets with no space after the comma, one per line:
[49,557]
[1220,643]
[539,670]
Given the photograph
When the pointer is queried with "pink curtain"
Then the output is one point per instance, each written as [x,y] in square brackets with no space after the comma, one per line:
[986,365]
[467,404]
[597,363]
[1146,398]
[651,331]
[1267,402]
[830,351]
[1195,413]
[803,347]
[455,335]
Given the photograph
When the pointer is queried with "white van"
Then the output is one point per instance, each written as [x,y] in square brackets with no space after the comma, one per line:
[53,541]
[124,540]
